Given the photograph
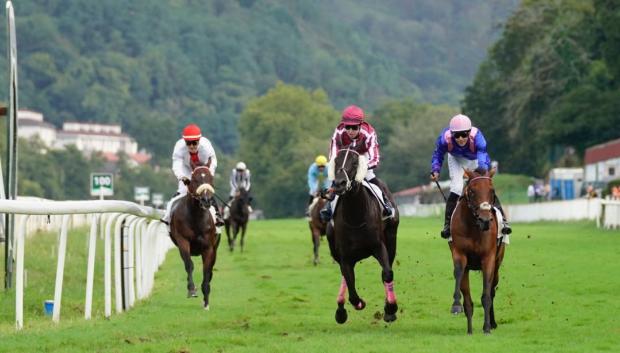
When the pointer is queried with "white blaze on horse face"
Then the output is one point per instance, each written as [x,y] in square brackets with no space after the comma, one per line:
[362,168]
[205,188]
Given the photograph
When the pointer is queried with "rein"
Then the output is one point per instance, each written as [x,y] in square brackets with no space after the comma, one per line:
[346,175]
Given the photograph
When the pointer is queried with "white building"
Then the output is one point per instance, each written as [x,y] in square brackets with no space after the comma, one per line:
[107,139]
[602,162]
[31,124]
[90,138]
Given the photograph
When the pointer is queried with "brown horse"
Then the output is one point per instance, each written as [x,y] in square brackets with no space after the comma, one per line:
[475,246]
[238,219]
[192,229]
[317,226]
[358,232]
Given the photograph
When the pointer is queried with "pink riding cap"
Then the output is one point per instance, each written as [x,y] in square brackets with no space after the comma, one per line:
[460,122]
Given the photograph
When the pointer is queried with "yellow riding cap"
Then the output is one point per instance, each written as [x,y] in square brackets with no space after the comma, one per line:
[321,161]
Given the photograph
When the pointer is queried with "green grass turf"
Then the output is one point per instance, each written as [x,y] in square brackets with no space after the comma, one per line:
[558,292]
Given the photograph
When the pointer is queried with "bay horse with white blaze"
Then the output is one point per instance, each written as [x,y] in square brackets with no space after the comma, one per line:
[192,229]
[238,219]
[475,246]
[358,232]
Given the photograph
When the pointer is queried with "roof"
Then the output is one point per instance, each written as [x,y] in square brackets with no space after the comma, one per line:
[603,152]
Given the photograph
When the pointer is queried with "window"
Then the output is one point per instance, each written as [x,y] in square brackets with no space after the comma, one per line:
[611,171]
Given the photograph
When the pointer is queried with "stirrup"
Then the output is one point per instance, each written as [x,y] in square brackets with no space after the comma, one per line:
[506,229]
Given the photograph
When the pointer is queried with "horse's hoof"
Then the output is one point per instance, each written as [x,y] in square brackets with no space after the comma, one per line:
[341,315]
[206,307]
[456,309]
[360,305]
[493,326]
[192,293]
[389,317]
[315,262]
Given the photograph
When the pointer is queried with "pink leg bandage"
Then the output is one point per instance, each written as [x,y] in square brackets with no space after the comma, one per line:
[389,292]
[342,291]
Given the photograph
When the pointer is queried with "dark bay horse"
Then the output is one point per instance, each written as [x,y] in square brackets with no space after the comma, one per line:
[317,226]
[192,228]
[475,246]
[238,219]
[358,232]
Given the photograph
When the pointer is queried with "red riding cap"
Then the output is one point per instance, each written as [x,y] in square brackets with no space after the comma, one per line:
[191,133]
[352,115]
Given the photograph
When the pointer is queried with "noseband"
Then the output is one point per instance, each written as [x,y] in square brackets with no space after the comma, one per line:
[484,206]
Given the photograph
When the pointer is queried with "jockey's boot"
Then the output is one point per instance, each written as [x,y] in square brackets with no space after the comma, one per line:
[450,206]
[506,229]
[326,212]
[388,210]
[218,217]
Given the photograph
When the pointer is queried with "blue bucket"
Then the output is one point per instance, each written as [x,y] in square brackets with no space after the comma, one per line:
[49,307]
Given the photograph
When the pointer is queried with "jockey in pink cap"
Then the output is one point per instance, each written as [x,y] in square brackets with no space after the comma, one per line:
[354,132]
[466,148]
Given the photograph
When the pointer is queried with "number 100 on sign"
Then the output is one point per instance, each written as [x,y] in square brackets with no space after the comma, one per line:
[101,184]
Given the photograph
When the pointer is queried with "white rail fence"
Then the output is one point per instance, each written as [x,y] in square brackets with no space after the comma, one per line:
[145,244]
[605,212]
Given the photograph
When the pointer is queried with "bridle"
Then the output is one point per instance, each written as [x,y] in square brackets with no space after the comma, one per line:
[349,184]
[204,204]
[484,206]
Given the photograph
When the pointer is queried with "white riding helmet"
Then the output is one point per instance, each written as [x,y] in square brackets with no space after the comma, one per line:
[240,166]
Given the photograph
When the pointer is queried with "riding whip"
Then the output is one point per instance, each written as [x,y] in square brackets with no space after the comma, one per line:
[222,200]
[440,191]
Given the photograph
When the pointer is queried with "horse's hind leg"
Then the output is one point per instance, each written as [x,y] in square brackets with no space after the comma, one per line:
[467,302]
[316,240]
[387,275]
[189,268]
[348,271]
[341,312]
[494,286]
[208,260]
[488,268]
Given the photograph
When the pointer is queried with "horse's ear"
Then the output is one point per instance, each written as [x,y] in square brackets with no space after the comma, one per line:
[468,173]
[208,165]
[492,172]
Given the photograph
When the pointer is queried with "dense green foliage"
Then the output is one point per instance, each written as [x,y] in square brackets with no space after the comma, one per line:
[271,298]
[153,66]
[550,83]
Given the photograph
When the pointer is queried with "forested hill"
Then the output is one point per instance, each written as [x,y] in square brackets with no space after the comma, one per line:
[154,66]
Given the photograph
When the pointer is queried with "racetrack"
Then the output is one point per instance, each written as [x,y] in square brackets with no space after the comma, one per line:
[558,292]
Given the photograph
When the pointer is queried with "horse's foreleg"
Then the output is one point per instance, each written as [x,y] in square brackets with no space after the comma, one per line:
[242,235]
[498,261]
[387,275]
[316,240]
[488,269]
[341,312]
[467,302]
[208,260]
[348,271]
[227,228]
[189,268]
[460,262]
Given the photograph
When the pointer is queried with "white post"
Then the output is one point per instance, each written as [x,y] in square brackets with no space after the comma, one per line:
[90,271]
[129,264]
[107,263]
[20,242]
[117,264]
[60,269]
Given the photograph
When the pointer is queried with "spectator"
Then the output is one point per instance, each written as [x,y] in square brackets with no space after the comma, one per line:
[531,193]
[615,193]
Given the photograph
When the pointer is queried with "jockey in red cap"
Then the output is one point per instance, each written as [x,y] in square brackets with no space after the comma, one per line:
[191,150]
[354,132]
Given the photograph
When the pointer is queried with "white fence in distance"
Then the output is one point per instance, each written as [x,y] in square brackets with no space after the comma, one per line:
[146,238]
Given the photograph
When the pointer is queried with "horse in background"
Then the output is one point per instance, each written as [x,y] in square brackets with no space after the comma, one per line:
[192,229]
[358,232]
[475,246]
[318,227]
[238,218]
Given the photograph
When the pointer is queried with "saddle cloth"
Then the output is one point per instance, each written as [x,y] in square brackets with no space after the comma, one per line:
[374,190]
[504,238]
